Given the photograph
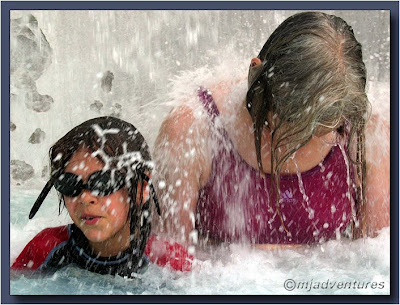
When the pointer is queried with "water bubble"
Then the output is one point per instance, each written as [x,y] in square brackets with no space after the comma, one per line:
[193,236]
[30,264]
[191,250]
[58,157]
[161,185]
[338,234]
[311,213]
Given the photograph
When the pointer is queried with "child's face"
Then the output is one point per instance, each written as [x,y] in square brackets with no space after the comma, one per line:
[101,219]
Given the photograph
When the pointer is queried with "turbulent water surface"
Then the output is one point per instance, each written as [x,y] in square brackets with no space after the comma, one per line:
[234,269]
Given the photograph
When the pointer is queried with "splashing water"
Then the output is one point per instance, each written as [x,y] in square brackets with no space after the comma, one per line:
[236,269]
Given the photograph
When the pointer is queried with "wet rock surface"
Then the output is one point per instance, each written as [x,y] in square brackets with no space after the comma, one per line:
[30,52]
[37,136]
[45,171]
[116,110]
[30,56]
[106,81]
[96,106]
[38,102]
[21,170]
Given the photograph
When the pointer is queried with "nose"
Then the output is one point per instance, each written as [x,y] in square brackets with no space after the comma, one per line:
[88,198]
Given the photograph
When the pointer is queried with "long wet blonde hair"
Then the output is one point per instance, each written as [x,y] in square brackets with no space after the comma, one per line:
[313,77]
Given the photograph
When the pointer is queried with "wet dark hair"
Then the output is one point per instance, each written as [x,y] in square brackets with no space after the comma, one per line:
[312,77]
[123,139]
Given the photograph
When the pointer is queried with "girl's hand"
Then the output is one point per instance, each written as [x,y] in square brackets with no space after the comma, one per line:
[165,253]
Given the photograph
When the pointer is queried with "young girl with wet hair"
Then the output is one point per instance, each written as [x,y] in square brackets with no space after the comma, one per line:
[287,164]
[101,171]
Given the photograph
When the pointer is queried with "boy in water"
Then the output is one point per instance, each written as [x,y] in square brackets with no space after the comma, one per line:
[101,170]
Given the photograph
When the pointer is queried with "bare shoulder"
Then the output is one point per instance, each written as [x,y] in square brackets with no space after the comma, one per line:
[377,140]
[182,125]
[378,174]
[183,142]
[177,121]
[228,94]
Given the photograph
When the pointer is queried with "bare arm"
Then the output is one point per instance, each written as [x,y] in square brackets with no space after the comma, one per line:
[183,165]
[377,212]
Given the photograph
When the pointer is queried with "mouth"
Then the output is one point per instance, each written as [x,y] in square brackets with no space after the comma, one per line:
[90,219]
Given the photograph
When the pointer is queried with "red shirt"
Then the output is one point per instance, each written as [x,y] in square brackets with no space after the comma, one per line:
[44,244]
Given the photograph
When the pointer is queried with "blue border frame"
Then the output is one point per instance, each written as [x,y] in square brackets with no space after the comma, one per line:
[6,6]
[394,149]
[199,5]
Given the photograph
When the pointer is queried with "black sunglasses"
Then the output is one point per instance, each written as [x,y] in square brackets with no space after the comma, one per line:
[100,183]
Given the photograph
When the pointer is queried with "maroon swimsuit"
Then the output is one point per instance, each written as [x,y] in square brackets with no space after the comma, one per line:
[237,203]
